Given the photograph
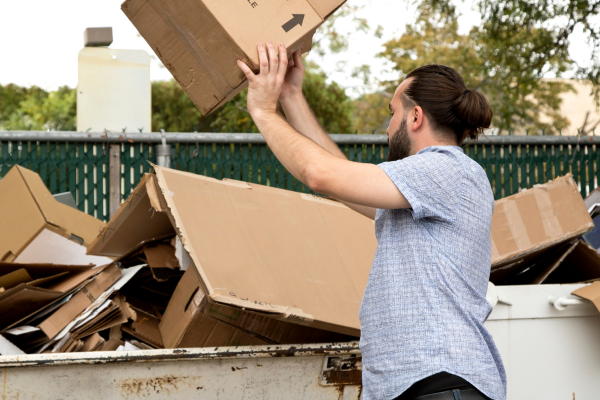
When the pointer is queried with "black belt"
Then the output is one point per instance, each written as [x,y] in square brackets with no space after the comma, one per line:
[455,394]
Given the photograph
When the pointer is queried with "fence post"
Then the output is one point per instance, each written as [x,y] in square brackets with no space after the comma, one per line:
[114,178]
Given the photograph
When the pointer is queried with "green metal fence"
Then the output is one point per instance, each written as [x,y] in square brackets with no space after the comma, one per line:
[79,162]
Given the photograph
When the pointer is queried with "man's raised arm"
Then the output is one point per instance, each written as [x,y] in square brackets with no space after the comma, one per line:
[300,116]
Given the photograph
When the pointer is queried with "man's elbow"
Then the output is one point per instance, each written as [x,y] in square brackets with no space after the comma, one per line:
[316,179]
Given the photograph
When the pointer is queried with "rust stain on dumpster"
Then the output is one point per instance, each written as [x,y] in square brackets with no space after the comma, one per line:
[169,384]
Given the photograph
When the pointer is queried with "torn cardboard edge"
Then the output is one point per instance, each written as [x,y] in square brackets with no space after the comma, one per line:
[28,205]
[285,313]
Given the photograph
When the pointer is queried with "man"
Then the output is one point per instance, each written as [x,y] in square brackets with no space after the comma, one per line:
[422,314]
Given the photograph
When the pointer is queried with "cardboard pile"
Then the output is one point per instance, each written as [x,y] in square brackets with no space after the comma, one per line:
[189,261]
[538,236]
[254,264]
[200,41]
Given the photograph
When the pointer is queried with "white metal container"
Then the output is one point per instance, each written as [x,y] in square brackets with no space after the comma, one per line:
[321,372]
[549,341]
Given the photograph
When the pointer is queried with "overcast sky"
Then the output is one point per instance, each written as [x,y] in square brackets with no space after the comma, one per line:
[40,47]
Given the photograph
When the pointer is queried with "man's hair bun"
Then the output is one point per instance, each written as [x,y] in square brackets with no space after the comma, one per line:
[449,105]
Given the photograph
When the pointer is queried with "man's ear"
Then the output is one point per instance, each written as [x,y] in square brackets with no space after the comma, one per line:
[417,118]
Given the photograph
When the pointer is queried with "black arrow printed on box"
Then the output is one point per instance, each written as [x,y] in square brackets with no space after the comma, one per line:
[296,20]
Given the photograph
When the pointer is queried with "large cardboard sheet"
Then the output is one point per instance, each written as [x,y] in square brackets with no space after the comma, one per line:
[301,258]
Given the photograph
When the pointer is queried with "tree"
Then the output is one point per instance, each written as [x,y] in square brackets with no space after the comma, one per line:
[372,113]
[502,59]
[173,111]
[36,109]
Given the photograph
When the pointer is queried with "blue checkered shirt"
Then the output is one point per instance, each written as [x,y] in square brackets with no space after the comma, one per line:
[424,305]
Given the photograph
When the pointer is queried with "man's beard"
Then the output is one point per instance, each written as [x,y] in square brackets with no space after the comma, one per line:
[399,144]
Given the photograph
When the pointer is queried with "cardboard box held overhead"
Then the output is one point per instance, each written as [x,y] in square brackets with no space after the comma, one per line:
[199,41]
[27,208]
[279,254]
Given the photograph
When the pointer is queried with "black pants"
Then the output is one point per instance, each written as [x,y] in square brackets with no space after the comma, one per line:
[442,382]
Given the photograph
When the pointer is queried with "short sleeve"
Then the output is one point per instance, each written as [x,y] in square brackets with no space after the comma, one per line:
[431,182]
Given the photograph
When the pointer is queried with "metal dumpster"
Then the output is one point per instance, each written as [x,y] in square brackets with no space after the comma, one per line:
[328,371]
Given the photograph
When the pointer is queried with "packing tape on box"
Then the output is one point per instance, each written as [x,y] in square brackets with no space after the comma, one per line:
[194,48]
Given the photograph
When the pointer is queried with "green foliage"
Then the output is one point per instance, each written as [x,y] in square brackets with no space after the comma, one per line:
[173,111]
[372,113]
[36,109]
[333,108]
[505,60]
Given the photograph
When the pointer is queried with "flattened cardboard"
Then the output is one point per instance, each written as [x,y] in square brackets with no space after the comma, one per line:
[27,207]
[534,268]
[69,284]
[161,260]
[188,302]
[199,41]
[52,325]
[145,328]
[124,233]
[12,279]
[51,248]
[112,344]
[91,342]
[25,298]
[297,257]
[533,221]
[37,271]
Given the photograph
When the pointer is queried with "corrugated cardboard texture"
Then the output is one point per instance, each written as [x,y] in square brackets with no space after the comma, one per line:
[325,7]
[145,327]
[27,207]
[537,219]
[124,232]
[199,41]
[64,315]
[297,257]
[185,325]
[190,300]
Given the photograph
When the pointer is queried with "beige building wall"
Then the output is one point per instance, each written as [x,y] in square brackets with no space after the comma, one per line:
[576,104]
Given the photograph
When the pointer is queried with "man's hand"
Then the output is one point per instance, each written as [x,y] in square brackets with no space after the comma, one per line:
[294,76]
[265,88]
